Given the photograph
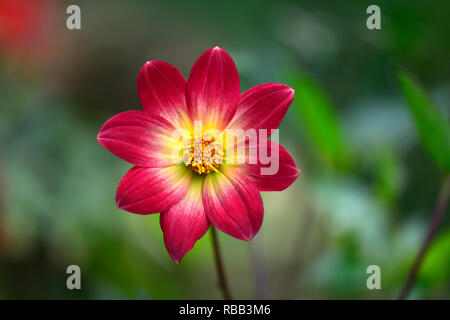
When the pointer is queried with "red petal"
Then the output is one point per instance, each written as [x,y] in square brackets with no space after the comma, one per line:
[152,190]
[139,137]
[184,223]
[233,204]
[285,175]
[213,91]
[162,90]
[263,106]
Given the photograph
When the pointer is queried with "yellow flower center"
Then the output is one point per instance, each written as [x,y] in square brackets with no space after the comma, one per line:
[204,154]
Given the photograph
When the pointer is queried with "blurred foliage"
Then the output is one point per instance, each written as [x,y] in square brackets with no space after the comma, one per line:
[432,126]
[367,185]
[320,118]
[436,267]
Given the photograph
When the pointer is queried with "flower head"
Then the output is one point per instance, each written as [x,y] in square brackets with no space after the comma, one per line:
[220,175]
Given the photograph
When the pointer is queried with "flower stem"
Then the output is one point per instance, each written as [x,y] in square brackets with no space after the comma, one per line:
[438,214]
[219,266]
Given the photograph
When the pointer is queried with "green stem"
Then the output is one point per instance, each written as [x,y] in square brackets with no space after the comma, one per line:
[219,266]
[438,214]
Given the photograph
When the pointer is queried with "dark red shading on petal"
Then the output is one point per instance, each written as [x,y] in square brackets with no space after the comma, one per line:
[233,204]
[184,223]
[285,175]
[138,137]
[152,190]
[162,90]
[263,106]
[213,90]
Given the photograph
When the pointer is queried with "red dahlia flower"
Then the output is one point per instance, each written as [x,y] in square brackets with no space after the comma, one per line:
[202,190]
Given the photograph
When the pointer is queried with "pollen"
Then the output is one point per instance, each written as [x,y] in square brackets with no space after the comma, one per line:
[204,154]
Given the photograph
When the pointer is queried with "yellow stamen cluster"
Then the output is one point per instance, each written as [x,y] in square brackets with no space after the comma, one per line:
[204,154]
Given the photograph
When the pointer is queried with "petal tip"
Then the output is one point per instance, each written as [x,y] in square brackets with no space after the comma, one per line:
[248,238]
[101,140]
[292,91]
[120,203]
[289,91]
[175,255]
[176,260]
[151,62]
[217,50]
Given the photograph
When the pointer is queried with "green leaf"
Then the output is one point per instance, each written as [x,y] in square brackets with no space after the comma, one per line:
[436,267]
[321,122]
[388,176]
[433,128]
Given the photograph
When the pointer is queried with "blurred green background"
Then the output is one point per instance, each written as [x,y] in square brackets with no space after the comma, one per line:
[369,180]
